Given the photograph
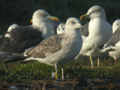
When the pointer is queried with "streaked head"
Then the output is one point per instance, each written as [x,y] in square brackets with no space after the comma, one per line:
[116,25]
[42,15]
[38,15]
[73,23]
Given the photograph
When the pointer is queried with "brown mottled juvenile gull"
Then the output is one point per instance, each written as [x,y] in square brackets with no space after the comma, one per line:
[100,31]
[20,38]
[58,49]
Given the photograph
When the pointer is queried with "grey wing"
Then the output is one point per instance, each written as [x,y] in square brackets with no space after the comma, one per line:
[46,47]
[114,39]
[21,39]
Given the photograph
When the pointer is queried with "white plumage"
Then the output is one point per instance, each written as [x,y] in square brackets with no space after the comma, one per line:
[99,31]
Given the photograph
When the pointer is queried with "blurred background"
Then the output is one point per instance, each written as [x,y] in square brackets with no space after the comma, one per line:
[20,11]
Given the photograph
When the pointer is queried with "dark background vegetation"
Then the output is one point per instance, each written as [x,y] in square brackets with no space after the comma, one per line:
[20,11]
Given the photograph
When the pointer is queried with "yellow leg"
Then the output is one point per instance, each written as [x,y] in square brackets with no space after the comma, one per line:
[91,62]
[56,76]
[56,72]
[62,70]
[98,62]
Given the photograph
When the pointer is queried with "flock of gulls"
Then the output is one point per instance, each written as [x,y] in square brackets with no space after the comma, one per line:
[49,41]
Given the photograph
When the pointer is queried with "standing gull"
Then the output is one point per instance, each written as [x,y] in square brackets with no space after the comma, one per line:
[99,31]
[58,49]
[114,43]
[22,37]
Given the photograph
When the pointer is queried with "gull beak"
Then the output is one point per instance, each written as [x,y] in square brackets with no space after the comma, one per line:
[30,21]
[83,16]
[53,18]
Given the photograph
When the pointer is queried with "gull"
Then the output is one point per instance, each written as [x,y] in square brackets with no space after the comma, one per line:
[113,45]
[60,48]
[19,38]
[99,32]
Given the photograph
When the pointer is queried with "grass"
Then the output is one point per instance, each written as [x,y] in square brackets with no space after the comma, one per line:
[25,72]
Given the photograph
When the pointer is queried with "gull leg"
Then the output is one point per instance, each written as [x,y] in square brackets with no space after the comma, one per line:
[115,61]
[56,72]
[98,61]
[91,62]
[62,70]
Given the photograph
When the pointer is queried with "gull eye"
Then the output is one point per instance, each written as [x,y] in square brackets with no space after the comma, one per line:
[45,15]
[117,23]
[73,22]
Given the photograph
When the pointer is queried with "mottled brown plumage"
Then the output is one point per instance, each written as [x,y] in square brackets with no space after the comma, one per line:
[46,47]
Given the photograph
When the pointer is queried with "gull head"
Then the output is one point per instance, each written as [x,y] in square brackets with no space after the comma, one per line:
[41,15]
[72,24]
[116,25]
[38,15]
[12,27]
[93,12]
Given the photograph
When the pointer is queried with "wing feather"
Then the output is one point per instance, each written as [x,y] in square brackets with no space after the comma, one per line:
[46,47]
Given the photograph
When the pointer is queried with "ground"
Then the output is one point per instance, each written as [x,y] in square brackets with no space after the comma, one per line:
[25,72]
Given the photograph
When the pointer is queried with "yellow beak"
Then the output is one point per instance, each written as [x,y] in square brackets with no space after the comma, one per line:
[53,18]
[83,16]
